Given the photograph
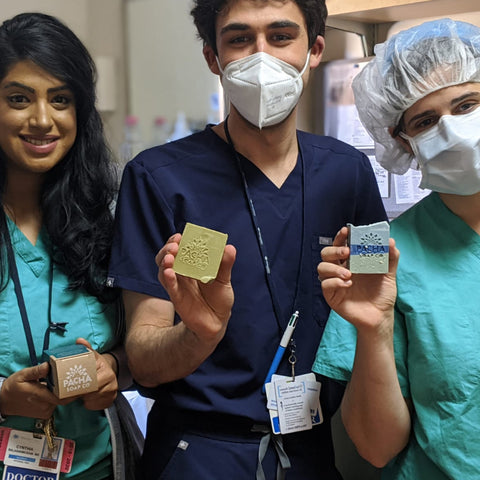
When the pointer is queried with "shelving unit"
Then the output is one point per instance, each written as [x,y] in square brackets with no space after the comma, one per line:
[387,11]
[372,18]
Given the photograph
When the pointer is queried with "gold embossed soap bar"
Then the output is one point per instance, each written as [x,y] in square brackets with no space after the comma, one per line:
[200,252]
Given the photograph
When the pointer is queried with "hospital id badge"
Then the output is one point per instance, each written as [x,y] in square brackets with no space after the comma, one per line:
[293,404]
[27,455]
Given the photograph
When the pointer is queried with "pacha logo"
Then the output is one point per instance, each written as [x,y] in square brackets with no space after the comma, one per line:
[77,378]
[370,244]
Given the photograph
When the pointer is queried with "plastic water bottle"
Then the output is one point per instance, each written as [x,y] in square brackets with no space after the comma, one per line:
[181,128]
[160,131]
[214,109]
[132,144]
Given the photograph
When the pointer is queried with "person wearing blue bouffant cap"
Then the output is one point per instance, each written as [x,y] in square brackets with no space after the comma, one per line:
[408,351]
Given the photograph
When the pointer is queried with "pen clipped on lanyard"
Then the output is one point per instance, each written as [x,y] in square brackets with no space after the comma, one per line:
[287,335]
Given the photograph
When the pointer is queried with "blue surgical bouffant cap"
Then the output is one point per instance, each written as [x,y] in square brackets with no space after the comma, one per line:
[407,67]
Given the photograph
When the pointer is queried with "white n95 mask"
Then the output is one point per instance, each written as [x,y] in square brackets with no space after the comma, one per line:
[263,88]
[449,154]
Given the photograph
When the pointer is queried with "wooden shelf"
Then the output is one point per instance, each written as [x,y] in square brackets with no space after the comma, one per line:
[384,11]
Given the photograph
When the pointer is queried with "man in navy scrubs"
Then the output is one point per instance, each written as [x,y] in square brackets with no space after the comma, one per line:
[202,351]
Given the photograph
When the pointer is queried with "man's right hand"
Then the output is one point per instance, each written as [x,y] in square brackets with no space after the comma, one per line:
[204,308]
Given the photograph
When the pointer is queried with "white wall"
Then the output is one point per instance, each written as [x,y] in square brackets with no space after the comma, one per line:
[72,12]
[106,38]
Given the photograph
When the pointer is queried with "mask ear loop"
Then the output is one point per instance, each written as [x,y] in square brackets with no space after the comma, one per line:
[408,139]
[218,63]
[304,69]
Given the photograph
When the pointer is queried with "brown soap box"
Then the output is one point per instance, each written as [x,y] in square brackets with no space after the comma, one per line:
[73,371]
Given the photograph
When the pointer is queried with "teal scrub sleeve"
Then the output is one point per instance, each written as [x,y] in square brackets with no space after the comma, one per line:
[335,355]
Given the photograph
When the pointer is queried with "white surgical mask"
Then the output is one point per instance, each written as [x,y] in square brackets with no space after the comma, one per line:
[449,154]
[263,88]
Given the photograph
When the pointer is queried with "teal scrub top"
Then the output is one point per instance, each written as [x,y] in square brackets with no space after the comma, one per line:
[436,341]
[86,317]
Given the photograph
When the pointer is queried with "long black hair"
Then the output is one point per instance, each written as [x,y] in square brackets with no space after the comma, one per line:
[78,193]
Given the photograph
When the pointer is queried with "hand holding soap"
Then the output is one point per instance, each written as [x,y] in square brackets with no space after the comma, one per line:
[200,253]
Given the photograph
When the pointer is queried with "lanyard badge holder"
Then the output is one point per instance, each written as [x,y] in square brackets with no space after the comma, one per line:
[30,453]
[293,402]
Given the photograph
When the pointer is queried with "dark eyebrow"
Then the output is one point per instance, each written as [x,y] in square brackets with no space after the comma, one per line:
[464,96]
[244,26]
[32,90]
[19,85]
[234,26]
[454,101]
[426,113]
[60,88]
[284,24]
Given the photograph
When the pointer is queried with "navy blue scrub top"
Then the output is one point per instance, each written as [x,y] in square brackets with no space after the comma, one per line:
[196,180]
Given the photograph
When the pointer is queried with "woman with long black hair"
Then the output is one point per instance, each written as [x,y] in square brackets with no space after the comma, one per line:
[57,185]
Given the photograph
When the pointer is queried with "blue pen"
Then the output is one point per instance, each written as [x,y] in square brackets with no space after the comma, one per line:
[287,335]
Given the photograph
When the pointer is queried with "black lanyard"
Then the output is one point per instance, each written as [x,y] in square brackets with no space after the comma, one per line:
[258,233]
[21,303]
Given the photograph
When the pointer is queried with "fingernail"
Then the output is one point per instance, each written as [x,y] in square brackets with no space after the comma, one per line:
[345,276]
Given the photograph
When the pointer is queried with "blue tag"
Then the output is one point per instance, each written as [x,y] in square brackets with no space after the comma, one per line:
[19,473]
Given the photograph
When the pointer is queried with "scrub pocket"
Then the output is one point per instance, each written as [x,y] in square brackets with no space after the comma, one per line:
[197,457]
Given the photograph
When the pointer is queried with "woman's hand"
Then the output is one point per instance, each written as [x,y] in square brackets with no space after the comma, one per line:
[24,393]
[106,378]
[365,300]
